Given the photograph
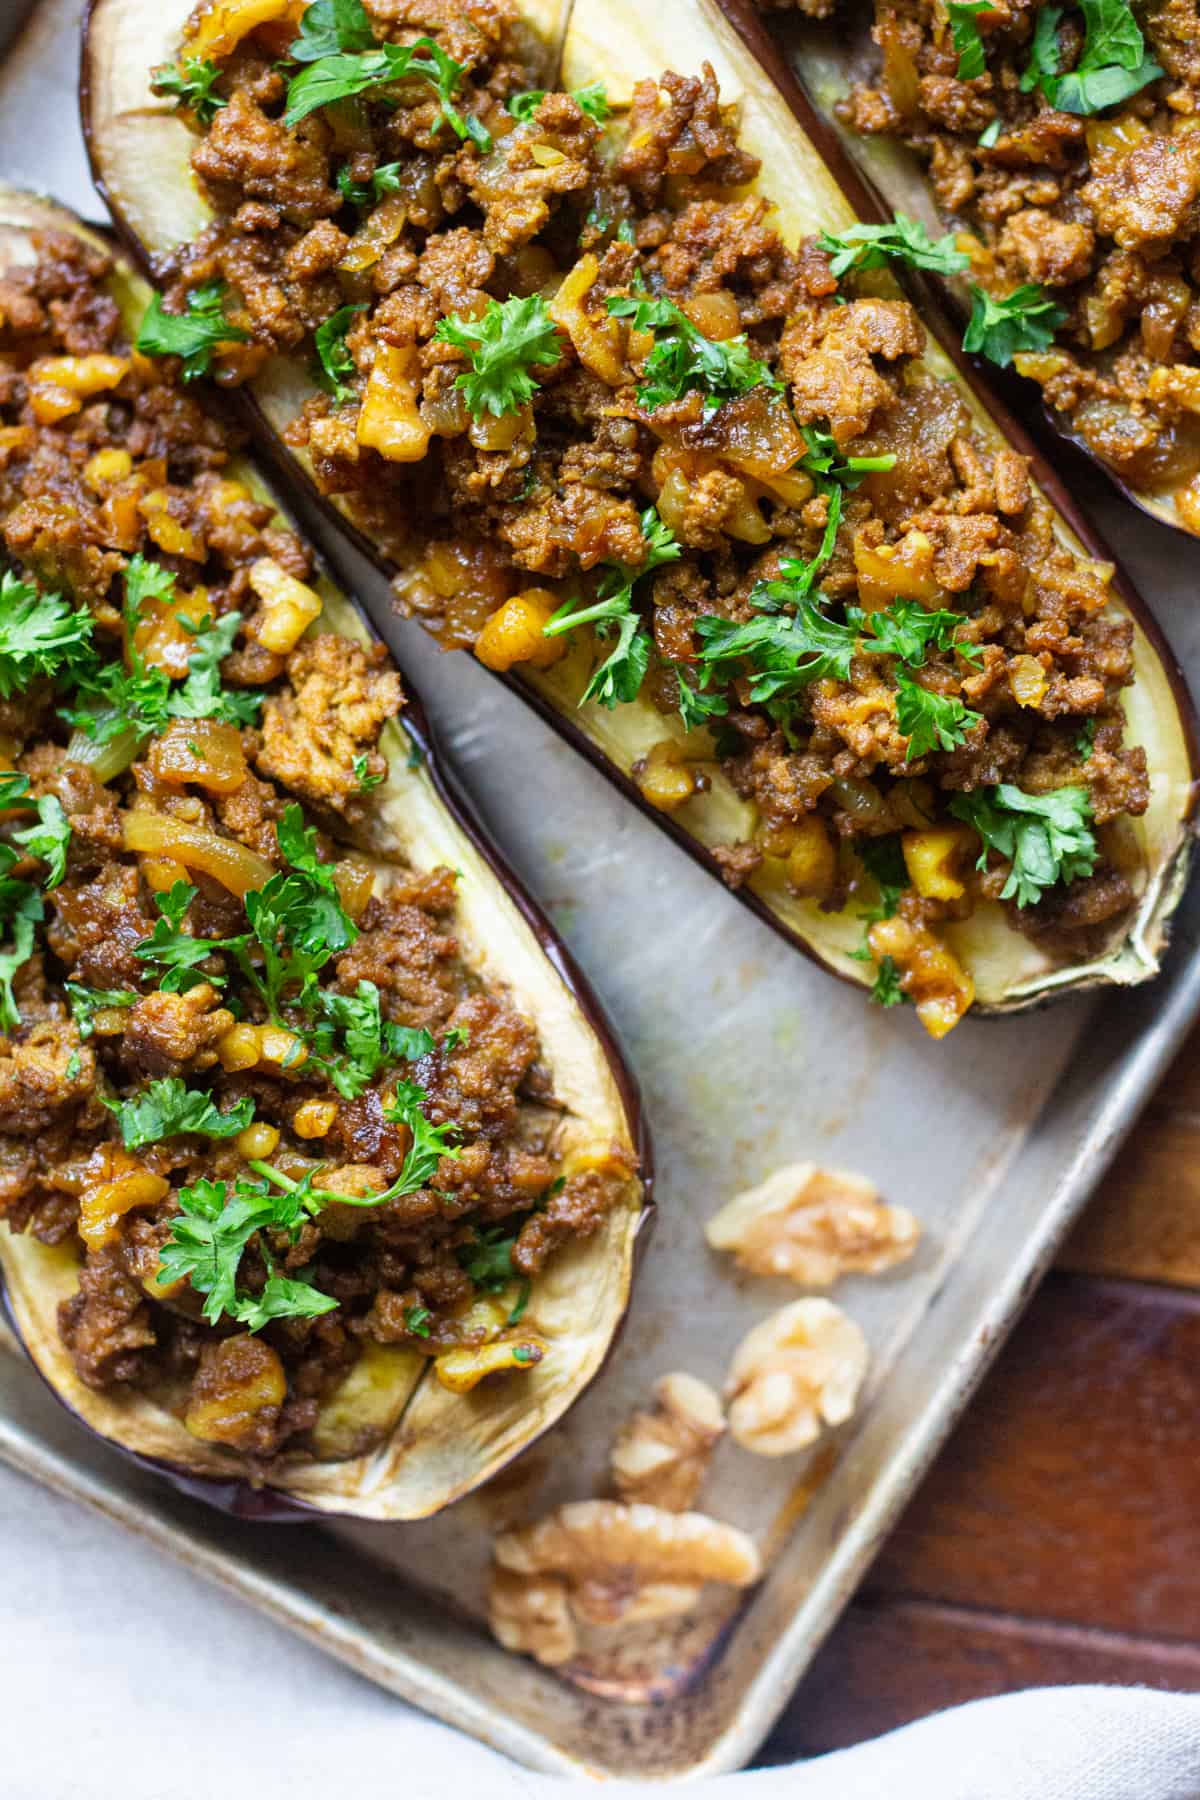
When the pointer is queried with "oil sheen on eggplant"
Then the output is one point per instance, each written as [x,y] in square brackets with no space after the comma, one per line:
[390,1440]
[141,148]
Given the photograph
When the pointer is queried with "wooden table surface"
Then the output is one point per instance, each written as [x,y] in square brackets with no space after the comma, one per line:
[1057,1538]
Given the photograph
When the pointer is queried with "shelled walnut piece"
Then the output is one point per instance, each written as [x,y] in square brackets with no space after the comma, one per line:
[662,1455]
[813,1225]
[608,1563]
[793,1375]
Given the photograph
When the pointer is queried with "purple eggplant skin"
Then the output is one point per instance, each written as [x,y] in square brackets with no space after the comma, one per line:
[782,54]
[241,1495]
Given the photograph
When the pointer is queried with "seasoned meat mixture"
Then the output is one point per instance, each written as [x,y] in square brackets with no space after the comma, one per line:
[245,1072]
[578,386]
[1093,200]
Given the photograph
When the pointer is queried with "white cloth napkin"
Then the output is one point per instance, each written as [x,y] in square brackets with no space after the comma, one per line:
[121,1675]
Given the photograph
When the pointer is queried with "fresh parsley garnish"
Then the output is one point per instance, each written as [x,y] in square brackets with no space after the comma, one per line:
[21,911]
[336,363]
[683,359]
[429,1142]
[964,34]
[41,635]
[384,180]
[930,721]
[209,1236]
[195,334]
[86,1002]
[1048,838]
[1026,319]
[696,705]
[327,26]
[49,838]
[339,76]
[488,1261]
[824,463]
[909,630]
[592,100]
[619,677]
[1085,743]
[175,951]
[513,337]
[886,990]
[363,775]
[883,859]
[1114,66]
[786,651]
[169,1108]
[191,81]
[370,1043]
[416,1320]
[904,240]
[201,695]
[297,920]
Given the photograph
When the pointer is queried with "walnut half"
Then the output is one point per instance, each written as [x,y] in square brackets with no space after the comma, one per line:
[794,1374]
[812,1225]
[617,1564]
[662,1456]
[532,1617]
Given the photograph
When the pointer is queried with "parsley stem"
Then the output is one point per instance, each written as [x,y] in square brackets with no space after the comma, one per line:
[589,615]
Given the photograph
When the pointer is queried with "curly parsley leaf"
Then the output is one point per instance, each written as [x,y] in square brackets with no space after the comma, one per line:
[202,695]
[363,775]
[297,919]
[928,720]
[909,630]
[86,1002]
[21,908]
[49,838]
[1042,67]
[513,337]
[41,635]
[429,1142]
[337,365]
[209,1236]
[964,34]
[696,706]
[384,180]
[1085,742]
[192,81]
[1048,838]
[338,76]
[416,1320]
[169,1108]
[786,651]
[886,990]
[684,360]
[328,26]
[1026,319]
[173,950]
[619,677]
[195,334]
[370,1043]
[298,844]
[592,100]
[488,1261]
[904,240]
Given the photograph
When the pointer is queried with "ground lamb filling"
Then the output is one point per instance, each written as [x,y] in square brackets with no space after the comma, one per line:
[1099,210]
[162,719]
[719,474]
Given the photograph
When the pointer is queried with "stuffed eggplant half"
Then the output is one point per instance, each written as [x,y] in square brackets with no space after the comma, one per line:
[1061,154]
[320,1170]
[608,377]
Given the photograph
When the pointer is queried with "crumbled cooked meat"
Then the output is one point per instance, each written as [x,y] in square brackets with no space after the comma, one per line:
[339,697]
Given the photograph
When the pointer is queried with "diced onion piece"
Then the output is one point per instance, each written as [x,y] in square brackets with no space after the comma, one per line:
[888,572]
[104,1205]
[162,639]
[220,29]
[931,858]
[106,760]
[461,1370]
[930,973]
[390,421]
[106,468]
[313,1118]
[1027,680]
[289,606]
[354,879]
[664,779]
[1180,384]
[597,344]
[378,234]
[204,751]
[168,532]
[234,865]
[715,314]
[239,1378]
[808,853]
[59,385]
[513,634]
[258,1140]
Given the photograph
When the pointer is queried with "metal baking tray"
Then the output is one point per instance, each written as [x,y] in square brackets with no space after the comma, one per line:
[749,1057]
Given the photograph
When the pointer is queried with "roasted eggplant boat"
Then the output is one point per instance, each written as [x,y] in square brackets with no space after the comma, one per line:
[320,1168]
[610,382]
[1061,153]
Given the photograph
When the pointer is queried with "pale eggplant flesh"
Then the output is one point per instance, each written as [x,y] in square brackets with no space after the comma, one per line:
[433,1445]
[828,59]
[140,151]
